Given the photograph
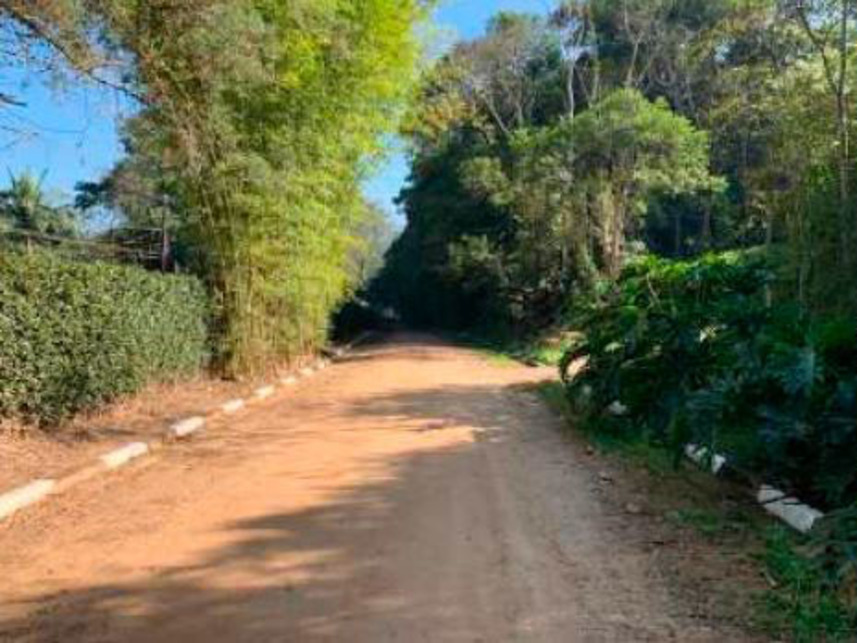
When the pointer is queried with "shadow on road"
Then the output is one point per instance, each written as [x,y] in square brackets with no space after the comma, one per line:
[357,567]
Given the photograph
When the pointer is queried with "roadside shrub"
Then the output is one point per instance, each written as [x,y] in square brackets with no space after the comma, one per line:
[76,335]
[690,352]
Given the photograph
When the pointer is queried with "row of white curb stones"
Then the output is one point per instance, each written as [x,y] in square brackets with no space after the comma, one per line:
[790,510]
[38,490]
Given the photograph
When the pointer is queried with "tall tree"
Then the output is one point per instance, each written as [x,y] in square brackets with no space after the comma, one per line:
[268,114]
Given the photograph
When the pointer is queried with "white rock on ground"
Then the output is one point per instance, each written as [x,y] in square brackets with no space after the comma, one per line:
[264,392]
[233,407]
[702,456]
[617,409]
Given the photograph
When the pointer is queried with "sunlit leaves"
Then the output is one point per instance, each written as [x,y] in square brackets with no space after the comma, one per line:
[269,113]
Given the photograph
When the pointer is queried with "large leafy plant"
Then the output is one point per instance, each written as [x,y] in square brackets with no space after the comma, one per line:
[695,352]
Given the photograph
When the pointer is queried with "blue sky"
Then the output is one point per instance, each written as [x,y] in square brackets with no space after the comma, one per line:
[71,132]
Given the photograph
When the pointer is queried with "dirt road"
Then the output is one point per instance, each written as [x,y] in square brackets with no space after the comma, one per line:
[417,492]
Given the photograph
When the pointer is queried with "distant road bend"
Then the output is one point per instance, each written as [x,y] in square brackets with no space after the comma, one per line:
[415,492]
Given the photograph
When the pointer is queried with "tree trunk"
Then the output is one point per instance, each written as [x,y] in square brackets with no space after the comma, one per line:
[677,235]
[706,225]
[845,230]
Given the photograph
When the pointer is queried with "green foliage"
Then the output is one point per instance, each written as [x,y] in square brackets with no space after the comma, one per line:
[695,354]
[455,264]
[622,153]
[547,154]
[644,143]
[806,601]
[24,207]
[510,230]
[74,335]
[261,119]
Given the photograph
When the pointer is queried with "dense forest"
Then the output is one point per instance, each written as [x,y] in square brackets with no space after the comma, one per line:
[550,152]
[671,185]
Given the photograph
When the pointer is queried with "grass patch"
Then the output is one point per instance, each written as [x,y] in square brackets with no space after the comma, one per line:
[804,601]
[546,350]
[498,358]
[709,523]
[656,461]
[544,354]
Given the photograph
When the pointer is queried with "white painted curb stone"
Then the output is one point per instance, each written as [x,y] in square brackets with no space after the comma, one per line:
[187,427]
[232,407]
[701,455]
[121,457]
[793,512]
[25,496]
[790,510]
[37,490]
[264,392]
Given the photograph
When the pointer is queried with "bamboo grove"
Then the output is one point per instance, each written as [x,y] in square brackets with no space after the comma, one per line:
[258,120]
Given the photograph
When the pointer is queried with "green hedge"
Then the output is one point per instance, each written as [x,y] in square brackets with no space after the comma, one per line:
[76,335]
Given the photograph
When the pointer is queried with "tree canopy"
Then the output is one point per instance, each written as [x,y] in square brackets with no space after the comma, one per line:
[549,152]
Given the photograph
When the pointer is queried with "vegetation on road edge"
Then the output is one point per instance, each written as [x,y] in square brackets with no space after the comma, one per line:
[255,123]
[795,597]
[76,335]
[673,180]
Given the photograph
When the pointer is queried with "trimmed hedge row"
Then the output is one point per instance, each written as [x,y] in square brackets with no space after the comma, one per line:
[76,335]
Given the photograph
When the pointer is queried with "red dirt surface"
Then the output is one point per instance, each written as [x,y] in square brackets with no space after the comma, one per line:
[416,492]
